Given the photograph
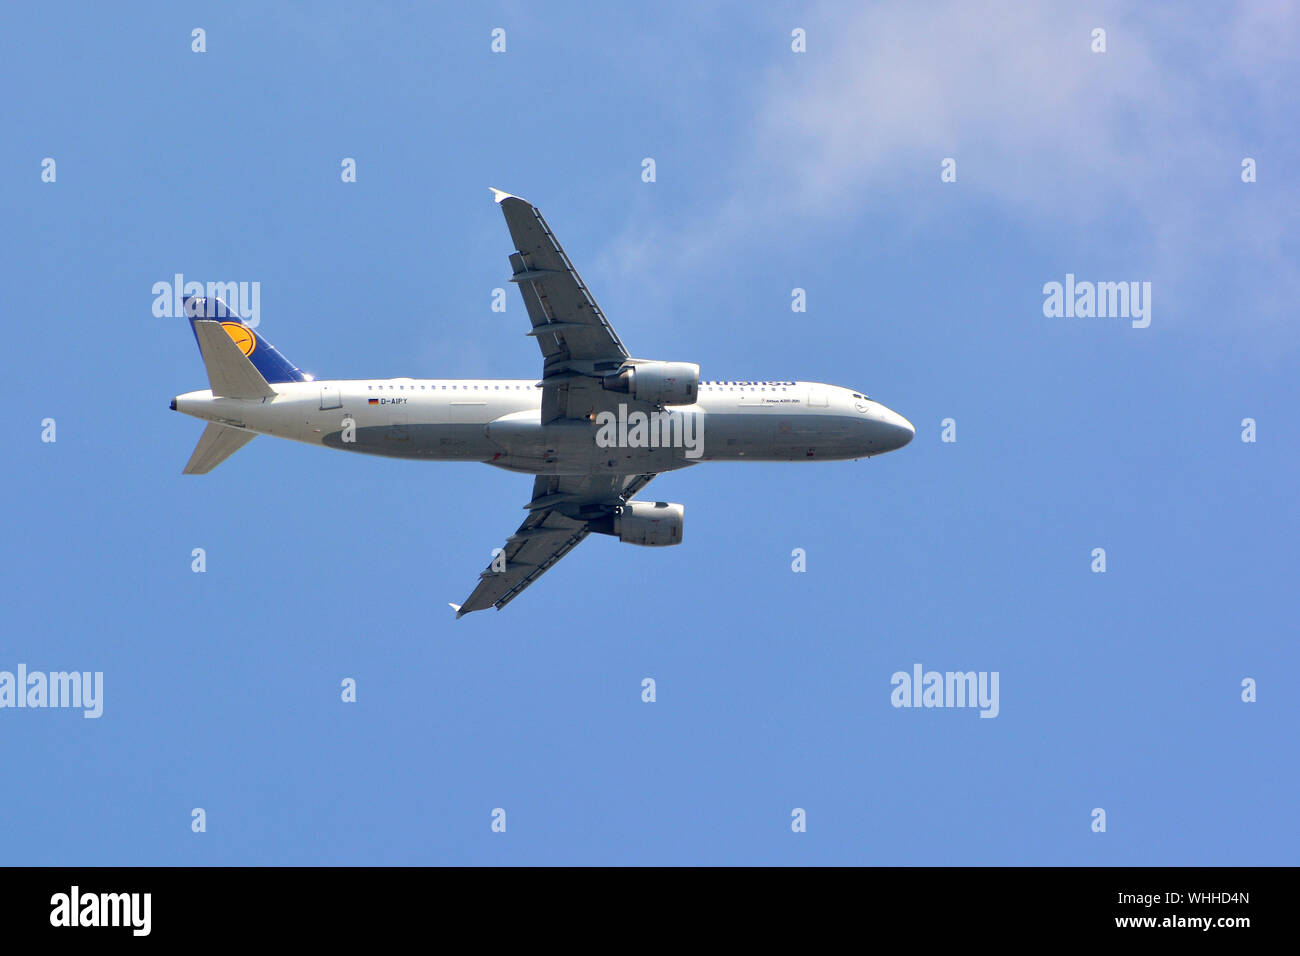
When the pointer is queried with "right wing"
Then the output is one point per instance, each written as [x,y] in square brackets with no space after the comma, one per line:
[560,514]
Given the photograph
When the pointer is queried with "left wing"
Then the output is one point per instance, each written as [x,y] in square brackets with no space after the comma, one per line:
[560,515]
[578,344]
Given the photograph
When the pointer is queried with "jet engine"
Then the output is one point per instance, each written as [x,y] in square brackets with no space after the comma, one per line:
[659,383]
[654,524]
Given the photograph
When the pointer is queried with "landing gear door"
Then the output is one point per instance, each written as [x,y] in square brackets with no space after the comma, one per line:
[330,397]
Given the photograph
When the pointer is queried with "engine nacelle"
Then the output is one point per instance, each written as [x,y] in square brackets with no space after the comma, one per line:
[654,524]
[659,383]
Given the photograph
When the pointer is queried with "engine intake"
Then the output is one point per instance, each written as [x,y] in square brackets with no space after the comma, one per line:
[659,383]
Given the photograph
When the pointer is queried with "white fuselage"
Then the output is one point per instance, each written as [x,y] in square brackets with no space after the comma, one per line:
[497,421]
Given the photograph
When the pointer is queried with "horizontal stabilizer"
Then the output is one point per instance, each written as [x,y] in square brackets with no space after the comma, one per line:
[217,443]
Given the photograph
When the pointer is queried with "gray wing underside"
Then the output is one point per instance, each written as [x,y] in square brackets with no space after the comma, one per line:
[559,515]
[567,322]
[577,341]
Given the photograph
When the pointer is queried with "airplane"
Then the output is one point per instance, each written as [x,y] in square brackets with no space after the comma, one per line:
[594,430]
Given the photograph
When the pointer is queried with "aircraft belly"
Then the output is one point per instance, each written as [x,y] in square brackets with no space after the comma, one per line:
[770,435]
[815,437]
[420,429]
[740,435]
[571,448]
[630,464]
[405,439]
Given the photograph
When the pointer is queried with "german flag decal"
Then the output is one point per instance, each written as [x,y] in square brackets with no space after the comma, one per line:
[374,401]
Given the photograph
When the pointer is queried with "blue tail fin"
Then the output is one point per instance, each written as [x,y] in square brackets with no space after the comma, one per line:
[264,356]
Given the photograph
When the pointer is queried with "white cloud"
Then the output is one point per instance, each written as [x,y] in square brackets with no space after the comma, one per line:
[1145,139]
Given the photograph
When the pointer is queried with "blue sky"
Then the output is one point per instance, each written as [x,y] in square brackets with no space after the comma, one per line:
[775,170]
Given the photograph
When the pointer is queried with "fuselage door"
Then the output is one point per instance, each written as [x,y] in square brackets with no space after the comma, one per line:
[816,397]
[330,397]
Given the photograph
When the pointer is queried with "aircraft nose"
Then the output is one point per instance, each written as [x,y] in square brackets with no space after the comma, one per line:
[900,429]
[906,432]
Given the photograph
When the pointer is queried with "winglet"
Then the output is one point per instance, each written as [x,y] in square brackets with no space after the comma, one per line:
[456,608]
[500,194]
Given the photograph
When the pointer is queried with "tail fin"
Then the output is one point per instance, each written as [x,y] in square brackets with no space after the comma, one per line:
[217,443]
[264,356]
[230,373]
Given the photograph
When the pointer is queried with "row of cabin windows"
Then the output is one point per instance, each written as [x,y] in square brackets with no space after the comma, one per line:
[520,388]
[517,388]
[434,388]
